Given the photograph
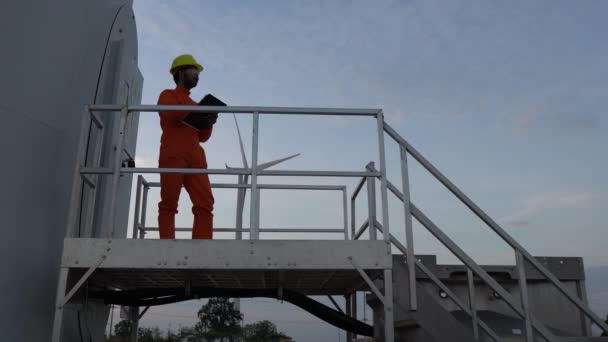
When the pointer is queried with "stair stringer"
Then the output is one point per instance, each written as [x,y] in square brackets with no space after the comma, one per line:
[433,323]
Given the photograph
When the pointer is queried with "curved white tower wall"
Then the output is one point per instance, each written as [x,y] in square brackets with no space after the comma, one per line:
[56,57]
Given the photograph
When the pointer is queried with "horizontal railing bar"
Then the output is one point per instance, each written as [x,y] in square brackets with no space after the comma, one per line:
[269,186]
[301,187]
[124,170]
[494,226]
[95,170]
[302,230]
[221,230]
[358,188]
[227,186]
[213,185]
[262,230]
[318,173]
[105,170]
[186,171]
[361,230]
[105,107]
[244,110]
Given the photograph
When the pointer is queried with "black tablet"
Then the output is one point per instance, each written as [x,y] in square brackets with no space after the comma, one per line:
[200,121]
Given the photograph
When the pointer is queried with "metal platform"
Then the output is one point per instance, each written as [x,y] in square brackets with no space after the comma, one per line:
[309,267]
[318,267]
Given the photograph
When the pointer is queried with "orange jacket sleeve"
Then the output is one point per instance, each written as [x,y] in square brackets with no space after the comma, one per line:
[169,98]
[205,134]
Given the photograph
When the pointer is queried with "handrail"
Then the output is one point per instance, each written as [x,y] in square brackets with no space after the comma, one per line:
[492,224]
[470,263]
[440,284]
[143,184]
[262,230]
[116,170]
[234,171]
[239,110]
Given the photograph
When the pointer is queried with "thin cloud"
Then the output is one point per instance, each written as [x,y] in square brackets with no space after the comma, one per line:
[545,201]
[563,123]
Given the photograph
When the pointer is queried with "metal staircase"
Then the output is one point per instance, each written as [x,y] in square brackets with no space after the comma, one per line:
[142,272]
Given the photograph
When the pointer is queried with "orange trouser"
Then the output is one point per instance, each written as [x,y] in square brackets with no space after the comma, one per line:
[197,186]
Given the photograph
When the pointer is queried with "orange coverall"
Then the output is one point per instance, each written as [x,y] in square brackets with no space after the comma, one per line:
[180,148]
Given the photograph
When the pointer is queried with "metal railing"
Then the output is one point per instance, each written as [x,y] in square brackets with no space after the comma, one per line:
[521,254]
[116,170]
[141,200]
[85,173]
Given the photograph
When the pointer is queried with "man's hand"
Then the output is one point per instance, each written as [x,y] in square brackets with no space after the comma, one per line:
[212,118]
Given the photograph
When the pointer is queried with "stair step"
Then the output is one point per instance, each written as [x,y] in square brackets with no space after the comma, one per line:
[406,324]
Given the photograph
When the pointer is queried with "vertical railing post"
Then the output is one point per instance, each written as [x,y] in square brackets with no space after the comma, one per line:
[92,200]
[116,166]
[472,303]
[77,180]
[239,209]
[371,203]
[349,313]
[345,210]
[383,180]
[138,190]
[254,233]
[523,292]
[352,219]
[389,322]
[354,310]
[144,209]
[409,234]
[134,310]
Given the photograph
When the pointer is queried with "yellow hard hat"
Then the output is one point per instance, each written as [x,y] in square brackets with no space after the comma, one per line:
[185,60]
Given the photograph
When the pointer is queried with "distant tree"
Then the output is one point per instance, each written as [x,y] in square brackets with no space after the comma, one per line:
[149,335]
[173,337]
[264,331]
[123,329]
[218,319]
[122,333]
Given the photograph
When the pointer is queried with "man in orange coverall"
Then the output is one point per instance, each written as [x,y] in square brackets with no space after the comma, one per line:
[180,148]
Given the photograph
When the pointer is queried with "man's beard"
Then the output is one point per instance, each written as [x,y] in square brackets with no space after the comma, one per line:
[190,83]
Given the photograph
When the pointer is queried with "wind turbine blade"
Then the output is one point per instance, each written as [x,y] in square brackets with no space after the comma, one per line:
[241,143]
[275,162]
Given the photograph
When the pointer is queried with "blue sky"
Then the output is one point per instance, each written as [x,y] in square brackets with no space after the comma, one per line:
[508,99]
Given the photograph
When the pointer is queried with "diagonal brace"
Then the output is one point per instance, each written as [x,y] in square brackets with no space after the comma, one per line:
[143,312]
[367,280]
[82,280]
[335,304]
